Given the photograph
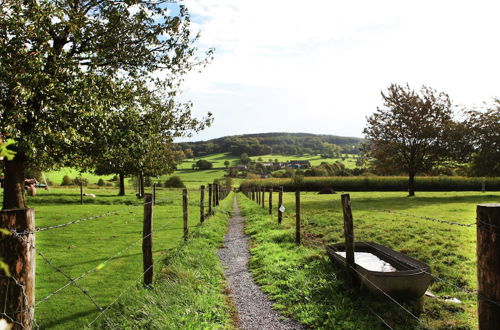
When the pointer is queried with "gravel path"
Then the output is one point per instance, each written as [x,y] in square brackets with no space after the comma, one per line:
[254,307]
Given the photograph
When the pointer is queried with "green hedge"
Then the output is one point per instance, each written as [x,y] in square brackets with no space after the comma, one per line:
[377,183]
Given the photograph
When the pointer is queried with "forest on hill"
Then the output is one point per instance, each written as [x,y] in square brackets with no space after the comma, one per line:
[275,143]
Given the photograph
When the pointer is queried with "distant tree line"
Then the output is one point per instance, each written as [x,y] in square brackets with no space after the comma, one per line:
[276,143]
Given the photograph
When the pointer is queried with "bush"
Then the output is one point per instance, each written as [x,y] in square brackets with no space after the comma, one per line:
[67,181]
[79,180]
[100,182]
[204,164]
[174,182]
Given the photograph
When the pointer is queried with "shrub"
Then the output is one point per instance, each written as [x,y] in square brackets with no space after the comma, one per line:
[174,182]
[79,180]
[67,181]
[204,164]
[100,182]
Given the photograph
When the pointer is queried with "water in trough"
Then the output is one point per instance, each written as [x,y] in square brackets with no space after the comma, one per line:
[370,262]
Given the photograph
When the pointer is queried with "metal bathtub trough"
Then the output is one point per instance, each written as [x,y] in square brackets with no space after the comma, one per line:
[399,275]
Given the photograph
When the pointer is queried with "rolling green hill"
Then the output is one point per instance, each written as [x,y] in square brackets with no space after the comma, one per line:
[274,143]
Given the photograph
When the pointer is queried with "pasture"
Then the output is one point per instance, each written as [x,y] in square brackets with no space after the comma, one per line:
[305,284]
[108,248]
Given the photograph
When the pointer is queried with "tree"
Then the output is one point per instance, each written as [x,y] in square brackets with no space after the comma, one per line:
[68,67]
[411,130]
[244,158]
[226,163]
[484,128]
[189,153]
[203,164]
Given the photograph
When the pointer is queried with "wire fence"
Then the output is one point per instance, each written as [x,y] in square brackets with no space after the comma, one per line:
[401,264]
[16,317]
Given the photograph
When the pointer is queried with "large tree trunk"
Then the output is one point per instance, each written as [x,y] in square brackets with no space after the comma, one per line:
[13,191]
[411,183]
[122,184]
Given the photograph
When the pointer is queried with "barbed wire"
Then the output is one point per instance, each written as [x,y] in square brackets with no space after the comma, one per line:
[118,297]
[384,293]
[57,269]
[39,229]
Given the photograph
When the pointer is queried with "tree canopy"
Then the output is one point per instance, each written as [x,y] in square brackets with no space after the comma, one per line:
[484,127]
[411,131]
[70,68]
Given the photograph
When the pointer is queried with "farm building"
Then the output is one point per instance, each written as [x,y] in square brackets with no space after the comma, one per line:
[299,164]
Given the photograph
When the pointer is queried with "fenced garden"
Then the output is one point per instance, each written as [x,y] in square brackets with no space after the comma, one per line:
[88,256]
[438,228]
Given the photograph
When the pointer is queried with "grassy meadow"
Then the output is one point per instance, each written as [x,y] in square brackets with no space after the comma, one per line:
[305,284]
[108,247]
[219,159]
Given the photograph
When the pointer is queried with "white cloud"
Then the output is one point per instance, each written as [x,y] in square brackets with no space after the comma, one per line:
[329,60]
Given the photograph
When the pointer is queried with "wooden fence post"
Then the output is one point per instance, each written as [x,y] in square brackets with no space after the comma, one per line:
[17,291]
[217,194]
[270,200]
[488,265]
[297,217]
[185,213]
[81,191]
[280,203]
[202,204]
[483,185]
[263,198]
[210,192]
[154,193]
[348,234]
[258,196]
[147,240]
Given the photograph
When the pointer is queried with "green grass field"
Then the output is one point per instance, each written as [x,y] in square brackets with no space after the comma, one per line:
[87,246]
[307,286]
[218,160]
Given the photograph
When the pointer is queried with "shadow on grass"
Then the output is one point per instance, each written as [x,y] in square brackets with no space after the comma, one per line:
[61,321]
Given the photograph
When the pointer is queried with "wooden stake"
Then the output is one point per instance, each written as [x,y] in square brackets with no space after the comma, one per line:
[297,217]
[147,240]
[17,292]
[81,191]
[202,204]
[263,198]
[217,194]
[270,201]
[280,203]
[210,192]
[154,193]
[348,234]
[185,213]
[488,265]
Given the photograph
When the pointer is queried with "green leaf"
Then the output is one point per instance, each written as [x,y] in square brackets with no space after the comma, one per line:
[4,152]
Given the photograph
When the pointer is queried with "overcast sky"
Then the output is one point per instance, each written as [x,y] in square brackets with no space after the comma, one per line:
[319,66]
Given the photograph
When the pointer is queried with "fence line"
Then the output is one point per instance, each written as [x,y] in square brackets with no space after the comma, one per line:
[484,226]
[221,193]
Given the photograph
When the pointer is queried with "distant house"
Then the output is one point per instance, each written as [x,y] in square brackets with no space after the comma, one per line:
[241,167]
[299,164]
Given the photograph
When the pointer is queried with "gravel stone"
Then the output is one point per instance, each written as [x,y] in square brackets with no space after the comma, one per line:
[254,307]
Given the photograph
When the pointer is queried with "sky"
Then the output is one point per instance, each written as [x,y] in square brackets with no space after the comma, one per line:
[319,66]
